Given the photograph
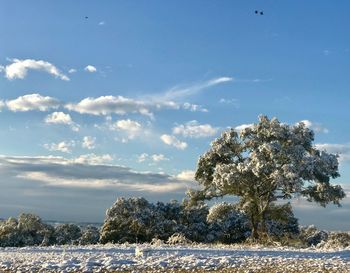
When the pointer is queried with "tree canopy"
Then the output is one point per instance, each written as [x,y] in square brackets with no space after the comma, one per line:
[264,162]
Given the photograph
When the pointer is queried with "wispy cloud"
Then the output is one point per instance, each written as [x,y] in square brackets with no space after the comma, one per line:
[18,69]
[179,92]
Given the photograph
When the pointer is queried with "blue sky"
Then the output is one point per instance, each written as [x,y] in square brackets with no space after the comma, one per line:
[123,102]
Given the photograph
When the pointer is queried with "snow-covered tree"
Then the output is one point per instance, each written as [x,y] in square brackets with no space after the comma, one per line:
[129,220]
[135,219]
[67,234]
[267,161]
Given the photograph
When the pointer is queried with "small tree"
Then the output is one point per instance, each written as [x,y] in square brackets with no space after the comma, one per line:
[265,162]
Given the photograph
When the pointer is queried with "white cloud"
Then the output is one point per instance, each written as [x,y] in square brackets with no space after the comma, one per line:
[180,92]
[59,118]
[142,157]
[88,142]
[2,104]
[343,150]
[90,68]
[93,159]
[194,107]
[102,23]
[64,147]
[130,127]
[233,102]
[32,102]
[18,69]
[159,157]
[72,70]
[173,141]
[106,105]
[195,130]
[326,52]
[155,157]
[243,126]
[317,127]
[187,175]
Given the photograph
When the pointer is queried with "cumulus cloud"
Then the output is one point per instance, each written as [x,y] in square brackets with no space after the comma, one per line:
[343,150]
[173,141]
[155,157]
[88,142]
[72,70]
[106,105]
[63,146]
[193,129]
[130,127]
[32,102]
[61,118]
[18,69]
[90,68]
[58,118]
[317,127]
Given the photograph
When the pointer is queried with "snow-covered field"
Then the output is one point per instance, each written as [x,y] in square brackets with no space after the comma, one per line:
[111,258]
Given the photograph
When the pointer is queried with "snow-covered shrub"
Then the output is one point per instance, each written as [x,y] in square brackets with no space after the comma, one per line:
[311,236]
[67,234]
[336,240]
[90,235]
[227,224]
[28,230]
[157,242]
[192,222]
[178,238]
[281,222]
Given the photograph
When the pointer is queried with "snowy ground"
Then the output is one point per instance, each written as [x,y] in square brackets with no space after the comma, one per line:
[111,258]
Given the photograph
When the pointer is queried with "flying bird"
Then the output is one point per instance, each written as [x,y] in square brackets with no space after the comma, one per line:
[86,17]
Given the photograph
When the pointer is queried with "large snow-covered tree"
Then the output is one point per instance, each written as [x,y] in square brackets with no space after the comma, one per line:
[267,161]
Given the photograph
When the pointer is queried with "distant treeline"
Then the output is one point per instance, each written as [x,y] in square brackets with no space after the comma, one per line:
[137,220]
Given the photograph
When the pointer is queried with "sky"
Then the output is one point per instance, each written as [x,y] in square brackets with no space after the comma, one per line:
[103,99]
